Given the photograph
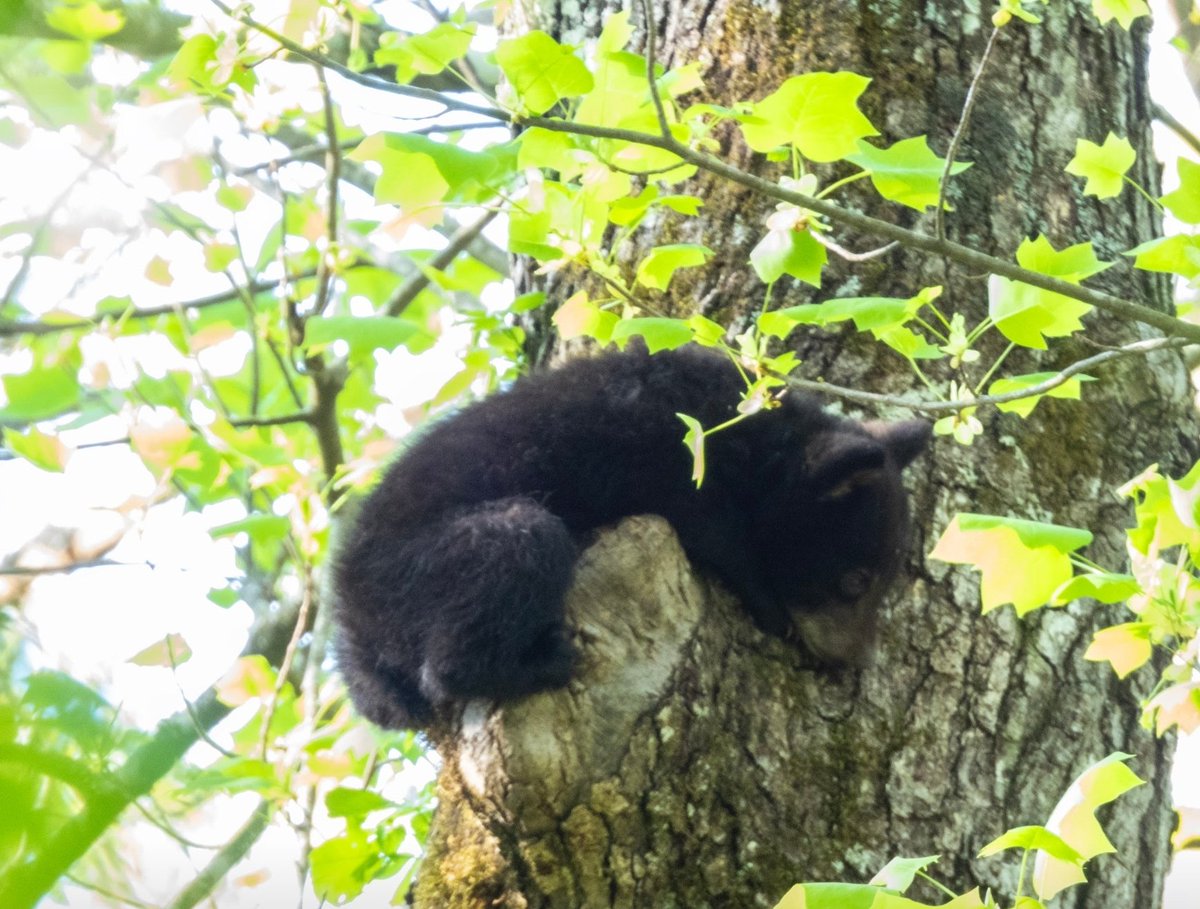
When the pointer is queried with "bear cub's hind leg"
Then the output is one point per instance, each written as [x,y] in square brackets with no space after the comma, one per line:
[499,575]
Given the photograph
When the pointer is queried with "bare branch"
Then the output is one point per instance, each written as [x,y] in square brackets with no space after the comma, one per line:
[968,107]
[12,329]
[660,112]
[1167,119]
[1137,348]
[23,886]
[848,255]
[969,258]
[462,238]
[333,171]
[229,855]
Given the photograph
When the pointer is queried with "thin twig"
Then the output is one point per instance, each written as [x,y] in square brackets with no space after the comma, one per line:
[963,120]
[1167,119]
[304,416]
[967,257]
[1137,348]
[8,329]
[41,570]
[462,238]
[285,667]
[848,255]
[660,112]
[333,173]
[108,894]
[229,855]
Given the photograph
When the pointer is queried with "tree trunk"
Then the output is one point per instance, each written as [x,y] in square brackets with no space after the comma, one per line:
[696,762]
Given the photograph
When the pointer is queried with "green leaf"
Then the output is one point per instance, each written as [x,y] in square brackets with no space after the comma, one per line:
[1176,255]
[657,269]
[553,150]
[407,178]
[87,20]
[542,71]
[1104,586]
[426,53]
[194,63]
[343,802]
[705,331]
[1127,647]
[410,180]
[908,172]
[908,343]
[659,334]
[339,865]
[173,650]
[789,252]
[71,707]
[875,314]
[693,439]
[580,316]
[1024,406]
[43,392]
[38,448]
[265,529]
[1103,166]
[1074,819]
[1033,836]
[1184,202]
[899,873]
[1124,11]
[1159,522]
[1027,315]
[1072,263]
[364,335]
[219,256]
[864,896]
[437,48]
[816,112]
[1021,562]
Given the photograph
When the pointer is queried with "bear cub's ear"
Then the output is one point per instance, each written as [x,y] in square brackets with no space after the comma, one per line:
[905,440]
[840,462]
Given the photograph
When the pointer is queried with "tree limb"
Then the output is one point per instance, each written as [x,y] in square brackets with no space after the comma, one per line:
[24,885]
[229,855]
[969,258]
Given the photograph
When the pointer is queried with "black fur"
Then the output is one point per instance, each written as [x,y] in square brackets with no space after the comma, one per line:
[450,584]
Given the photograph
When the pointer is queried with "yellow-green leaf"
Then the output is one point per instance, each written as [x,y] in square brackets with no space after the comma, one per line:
[542,71]
[657,269]
[1024,406]
[1126,646]
[1184,202]
[1074,820]
[172,650]
[1021,562]
[1103,166]
[1124,11]
[816,112]
[908,172]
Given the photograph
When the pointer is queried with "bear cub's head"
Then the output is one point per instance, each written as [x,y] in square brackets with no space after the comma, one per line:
[852,532]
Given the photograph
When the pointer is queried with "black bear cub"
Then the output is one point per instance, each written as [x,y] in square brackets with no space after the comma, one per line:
[450,583]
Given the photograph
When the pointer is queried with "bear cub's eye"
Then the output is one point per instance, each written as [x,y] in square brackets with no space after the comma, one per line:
[855,584]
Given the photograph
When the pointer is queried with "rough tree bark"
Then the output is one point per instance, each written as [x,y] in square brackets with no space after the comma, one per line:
[696,762]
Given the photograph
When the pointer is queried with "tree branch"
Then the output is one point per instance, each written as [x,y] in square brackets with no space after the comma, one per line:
[229,855]
[969,258]
[24,885]
[963,120]
[462,239]
[1137,348]
[13,329]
